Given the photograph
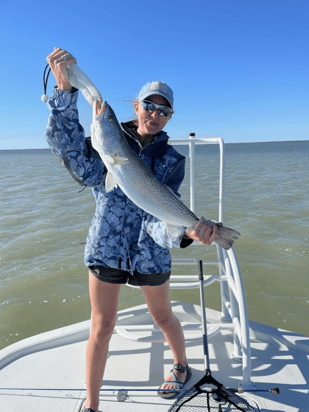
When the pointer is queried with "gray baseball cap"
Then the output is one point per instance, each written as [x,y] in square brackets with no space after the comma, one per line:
[156,88]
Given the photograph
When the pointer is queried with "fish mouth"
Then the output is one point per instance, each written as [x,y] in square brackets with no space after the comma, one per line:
[100,108]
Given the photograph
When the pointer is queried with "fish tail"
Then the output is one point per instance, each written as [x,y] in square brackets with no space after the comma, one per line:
[226,237]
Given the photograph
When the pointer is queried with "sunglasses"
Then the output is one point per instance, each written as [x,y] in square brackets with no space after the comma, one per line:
[162,110]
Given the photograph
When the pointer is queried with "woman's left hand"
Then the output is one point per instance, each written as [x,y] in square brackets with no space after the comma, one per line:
[59,60]
[205,231]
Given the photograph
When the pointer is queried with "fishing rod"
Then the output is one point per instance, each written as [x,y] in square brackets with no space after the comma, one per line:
[235,390]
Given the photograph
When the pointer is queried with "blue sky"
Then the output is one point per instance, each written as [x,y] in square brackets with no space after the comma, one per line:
[238,68]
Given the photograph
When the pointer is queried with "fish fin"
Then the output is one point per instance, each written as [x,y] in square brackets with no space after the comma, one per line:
[114,159]
[227,237]
[173,231]
[121,160]
[110,182]
[225,244]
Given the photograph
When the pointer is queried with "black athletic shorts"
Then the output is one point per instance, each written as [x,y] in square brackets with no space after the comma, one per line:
[119,276]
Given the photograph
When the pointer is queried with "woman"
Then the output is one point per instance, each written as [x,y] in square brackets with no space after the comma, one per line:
[120,246]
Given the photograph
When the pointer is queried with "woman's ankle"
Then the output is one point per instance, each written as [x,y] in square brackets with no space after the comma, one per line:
[91,405]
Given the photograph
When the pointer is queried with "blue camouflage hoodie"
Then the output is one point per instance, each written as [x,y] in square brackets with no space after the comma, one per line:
[121,235]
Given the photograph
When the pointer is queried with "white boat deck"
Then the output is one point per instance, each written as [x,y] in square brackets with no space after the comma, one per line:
[54,379]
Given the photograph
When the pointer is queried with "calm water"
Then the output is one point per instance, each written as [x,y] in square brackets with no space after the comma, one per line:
[44,221]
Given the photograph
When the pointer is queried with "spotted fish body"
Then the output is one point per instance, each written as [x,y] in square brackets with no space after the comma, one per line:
[136,180]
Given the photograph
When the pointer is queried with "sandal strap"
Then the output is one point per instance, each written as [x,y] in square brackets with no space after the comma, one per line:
[180,368]
[174,383]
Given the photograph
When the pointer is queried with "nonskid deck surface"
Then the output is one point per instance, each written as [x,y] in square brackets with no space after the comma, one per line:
[279,358]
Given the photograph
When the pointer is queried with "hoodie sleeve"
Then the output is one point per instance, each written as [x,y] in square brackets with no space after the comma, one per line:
[155,227]
[66,138]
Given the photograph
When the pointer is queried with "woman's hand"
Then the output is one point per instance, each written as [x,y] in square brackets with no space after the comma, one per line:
[205,231]
[59,60]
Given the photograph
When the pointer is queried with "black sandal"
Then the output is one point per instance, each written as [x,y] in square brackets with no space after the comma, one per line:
[169,395]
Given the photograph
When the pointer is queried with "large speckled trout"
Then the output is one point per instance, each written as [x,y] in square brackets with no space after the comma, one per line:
[136,180]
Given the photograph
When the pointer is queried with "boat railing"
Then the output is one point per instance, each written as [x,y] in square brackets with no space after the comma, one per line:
[233,314]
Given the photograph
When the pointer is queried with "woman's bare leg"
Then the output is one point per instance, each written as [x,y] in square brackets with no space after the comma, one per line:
[104,303]
[158,301]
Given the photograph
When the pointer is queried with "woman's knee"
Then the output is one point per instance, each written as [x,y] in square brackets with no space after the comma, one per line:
[164,318]
[102,328]
[104,302]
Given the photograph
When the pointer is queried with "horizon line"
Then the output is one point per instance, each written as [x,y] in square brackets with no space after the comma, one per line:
[226,143]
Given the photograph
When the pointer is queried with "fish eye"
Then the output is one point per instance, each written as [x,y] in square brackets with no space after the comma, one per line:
[110,118]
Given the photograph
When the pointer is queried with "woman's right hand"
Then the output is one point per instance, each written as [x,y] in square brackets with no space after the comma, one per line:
[59,60]
[205,231]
